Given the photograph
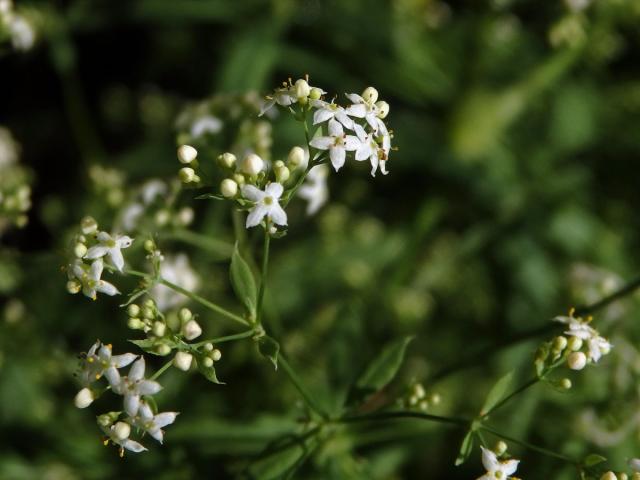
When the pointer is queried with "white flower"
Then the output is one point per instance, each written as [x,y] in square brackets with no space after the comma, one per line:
[119,435]
[266,204]
[369,149]
[152,424]
[175,269]
[22,34]
[98,359]
[110,246]
[206,124]
[597,346]
[132,386]
[8,148]
[495,468]
[362,108]
[152,189]
[130,216]
[328,111]
[314,189]
[282,96]
[89,277]
[337,143]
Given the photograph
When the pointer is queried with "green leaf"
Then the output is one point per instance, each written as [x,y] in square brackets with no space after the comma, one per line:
[243,282]
[269,348]
[208,372]
[496,393]
[465,448]
[593,459]
[279,464]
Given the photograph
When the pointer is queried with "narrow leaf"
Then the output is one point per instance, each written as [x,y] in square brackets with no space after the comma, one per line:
[496,393]
[269,348]
[465,448]
[385,366]
[593,459]
[243,282]
[208,372]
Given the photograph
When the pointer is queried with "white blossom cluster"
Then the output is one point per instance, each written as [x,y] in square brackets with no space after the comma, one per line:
[135,389]
[19,30]
[15,191]
[90,249]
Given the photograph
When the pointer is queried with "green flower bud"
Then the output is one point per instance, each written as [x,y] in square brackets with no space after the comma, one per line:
[80,250]
[134,323]
[149,246]
[159,329]
[216,355]
[187,175]
[88,225]
[148,313]
[559,343]
[574,344]
[227,160]
[228,188]
[185,315]
[315,93]
[500,448]
[565,384]
[163,349]
[296,157]
[133,310]
[302,90]
[207,362]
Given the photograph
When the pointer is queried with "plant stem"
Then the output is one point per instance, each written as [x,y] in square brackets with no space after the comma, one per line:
[406,414]
[163,369]
[293,376]
[265,267]
[506,399]
[228,338]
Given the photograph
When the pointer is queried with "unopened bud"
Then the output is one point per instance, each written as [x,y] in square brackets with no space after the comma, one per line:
[207,362]
[216,355]
[149,245]
[418,390]
[565,384]
[208,346]
[182,361]
[147,312]
[73,286]
[634,464]
[121,430]
[435,398]
[228,188]
[185,216]
[281,171]
[227,160]
[133,310]
[238,178]
[296,157]
[159,329]
[252,164]
[191,330]
[187,154]
[83,398]
[574,344]
[302,90]
[88,225]
[370,95]
[80,250]
[383,109]
[577,361]
[187,174]
[559,343]
[185,315]
[134,323]
[315,93]
[609,476]
[163,349]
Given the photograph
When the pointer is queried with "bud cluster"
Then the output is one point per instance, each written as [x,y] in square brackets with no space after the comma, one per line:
[15,191]
[416,397]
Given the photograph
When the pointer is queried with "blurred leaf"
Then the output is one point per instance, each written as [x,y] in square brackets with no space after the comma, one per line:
[269,348]
[465,448]
[497,392]
[593,459]
[243,282]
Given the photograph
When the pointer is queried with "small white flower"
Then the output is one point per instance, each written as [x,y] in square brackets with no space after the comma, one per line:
[206,124]
[597,346]
[175,269]
[153,189]
[362,108]
[116,434]
[370,150]
[577,327]
[328,111]
[110,246]
[23,35]
[132,386]
[89,277]
[282,96]
[152,424]
[130,216]
[337,143]
[266,204]
[98,359]
[495,468]
[314,190]
[83,398]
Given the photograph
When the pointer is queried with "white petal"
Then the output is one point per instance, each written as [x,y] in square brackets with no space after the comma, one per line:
[107,288]
[94,347]
[124,241]
[509,467]
[256,215]
[274,189]
[104,353]
[335,128]
[137,370]
[157,433]
[344,119]
[337,155]
[322,115]
[78,269]
[113,377]
[131,404]
[96,270]
[354,97]
[145,411]
[374,163]
[89,292]
[116,258]
[133,446]
[489,460]
[383,167]
[363,152]
[148,387]
[322,143]
[277,214]
[358,110]
[362,135]
[351,142]
[372,120]
[267,106]
[251,192]
[96,251]
[164,419]
[103,237]
[486,476]
[123,360]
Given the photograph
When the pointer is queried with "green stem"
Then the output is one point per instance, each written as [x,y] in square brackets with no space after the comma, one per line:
[405,414]
[530,446]
[506,399]
[265,267]
[228,338]
[164,368]
[293,376]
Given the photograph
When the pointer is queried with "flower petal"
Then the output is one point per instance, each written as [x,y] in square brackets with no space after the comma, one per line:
[107,288]
[103,237]
[274,189]
[277,214]
[133,446]
[256,215]
[489,460]
[322,143]
[113,377]
[96,270]
[137,370]
[335,128]
[251,192]
[124,241]
[509,467]
[148,387]
[123,360]
[164,419]
[156,433]
[354,98]
[351,142]
[337,155]
[322,115]
[116,258]
[131,404]
[358,110]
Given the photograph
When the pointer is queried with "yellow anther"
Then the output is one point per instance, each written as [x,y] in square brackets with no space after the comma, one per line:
[572,310]
[90,359]
[589,318]
[105,442]
[121,452]
[98,376]
[109,346]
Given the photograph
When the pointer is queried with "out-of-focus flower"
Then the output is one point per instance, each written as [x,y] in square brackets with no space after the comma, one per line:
[175,269]
[314,190]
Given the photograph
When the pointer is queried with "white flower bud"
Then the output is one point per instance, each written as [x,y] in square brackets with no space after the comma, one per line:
[296,157]
[559,343]
[134,323]
[216,355]
[185,216]
[577,361]
[185,315]
[88,225]
[574,344]
[187,154]
[370,95]
[182,361]
[121,430]
[191,330]
[208,346]
[315,93]
[80,250]
[565,384]
[383,109]
[83,398]
[73,286]
[252,164]
[500,448]
[207,362]
[163,349]
[187,174]
[238,178]
[147,312]
[609,476]
[133,310]
[281,171]
[159,329]
[634,464]
[302,90]
[228,188]
[227,160]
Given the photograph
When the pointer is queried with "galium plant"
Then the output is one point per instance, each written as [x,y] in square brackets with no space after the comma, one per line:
[338,133]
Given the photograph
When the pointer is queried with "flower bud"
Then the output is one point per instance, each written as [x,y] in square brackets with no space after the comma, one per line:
[435,399]
[559,344]
[208,346]
[121,430]
[149,245]
[134,323]
[187,174]
[577,361]
[315,93]
[370,95]
[623,476]
[238,178]
[88,225]
[296,157]
[565,384]
[418,390]
[574,344]
[302,90]
[252,164]
[80,250]
[83,398]
[383,109]
[281,171]
[187,154]
[191,330]
[634,464]
[227,160]
[133,310]
[423,405]
[609,476]
[228,188]
[147,312]
[216,355]
[185,315]
[207,362]
[159,329]
[163,349]
[73,286]
[185,216]
[182,361]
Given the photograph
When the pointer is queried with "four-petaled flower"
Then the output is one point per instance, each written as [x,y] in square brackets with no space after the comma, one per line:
[315,190]
[337,143]
[369,149]
[89,277]
[99,359]
[132,386]
[110,246]
[329,111]
[266,204]
[497,470]
[152,424]
[360,108]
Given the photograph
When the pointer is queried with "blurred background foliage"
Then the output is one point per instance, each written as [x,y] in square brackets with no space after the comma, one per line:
[513,196]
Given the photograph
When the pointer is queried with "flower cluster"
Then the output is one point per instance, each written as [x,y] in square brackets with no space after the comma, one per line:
[16,26]
[15,192]
[135,389]
[91,246]
[580,345]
